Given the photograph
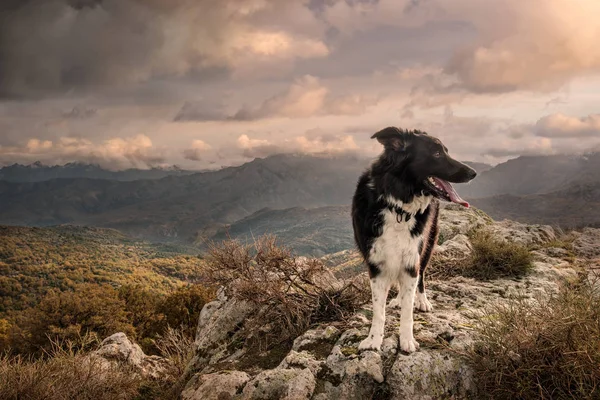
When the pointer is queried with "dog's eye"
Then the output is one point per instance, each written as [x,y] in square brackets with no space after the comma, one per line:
[437,154]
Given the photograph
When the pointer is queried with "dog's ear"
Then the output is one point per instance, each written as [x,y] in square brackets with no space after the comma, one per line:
[391,138]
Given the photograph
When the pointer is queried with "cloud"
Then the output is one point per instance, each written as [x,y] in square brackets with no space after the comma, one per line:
[113,153]
[253,148]
[196,151]
[317,141]
[80,112]
[55,46]
[560,125]
[200,111]
[306,97]
[528,45]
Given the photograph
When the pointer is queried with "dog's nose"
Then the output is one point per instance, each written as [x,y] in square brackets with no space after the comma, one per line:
[472,173]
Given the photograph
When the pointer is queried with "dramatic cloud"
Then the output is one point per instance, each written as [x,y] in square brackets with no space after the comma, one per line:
[252,148]
[251,78]
[50,46]
[305,98]
[560,125]
[317,141]
[197,150]
[113,153]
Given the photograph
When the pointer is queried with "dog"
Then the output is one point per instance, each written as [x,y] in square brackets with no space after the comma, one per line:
[395,211]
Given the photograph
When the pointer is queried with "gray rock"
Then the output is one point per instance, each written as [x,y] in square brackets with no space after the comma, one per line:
[118,348]
[280,384]
[588,243]
[521,233]
[217,386]
[219,321]
[430,375]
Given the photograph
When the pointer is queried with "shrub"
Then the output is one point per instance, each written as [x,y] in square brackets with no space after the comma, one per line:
[542,349]
[491,258]
[496,258]
[65,374]
[293,293]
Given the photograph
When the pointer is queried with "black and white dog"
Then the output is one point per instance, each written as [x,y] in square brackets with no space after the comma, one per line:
[395,219]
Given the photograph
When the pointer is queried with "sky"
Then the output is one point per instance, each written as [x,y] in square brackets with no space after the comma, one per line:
[210,83]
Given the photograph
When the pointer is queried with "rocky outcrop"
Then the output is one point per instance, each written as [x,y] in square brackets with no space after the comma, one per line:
[118,349]
[325,363]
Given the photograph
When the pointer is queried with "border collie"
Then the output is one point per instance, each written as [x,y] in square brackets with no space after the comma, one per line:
[395,219]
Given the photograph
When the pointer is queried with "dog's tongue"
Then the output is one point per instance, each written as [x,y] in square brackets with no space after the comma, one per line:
[451,192]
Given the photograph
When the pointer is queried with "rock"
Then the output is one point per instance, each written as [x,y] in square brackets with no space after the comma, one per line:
[217,386]
[219,321]
[588,243]
[455,220]
[430,375]
[118,348]
[280,384]
[302,359]
[521,233]
[325,363]
[459,245]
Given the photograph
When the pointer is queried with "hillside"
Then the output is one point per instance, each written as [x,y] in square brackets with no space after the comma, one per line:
[38,172]
[184,208]
[34,261]
[314,232]
[527,175]
[577,205]
[178,207]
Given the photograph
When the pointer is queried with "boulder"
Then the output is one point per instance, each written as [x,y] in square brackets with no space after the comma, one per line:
[118,348]
[217,386]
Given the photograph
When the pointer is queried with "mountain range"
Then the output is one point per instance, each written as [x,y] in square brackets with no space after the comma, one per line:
[303,199]
[38,172]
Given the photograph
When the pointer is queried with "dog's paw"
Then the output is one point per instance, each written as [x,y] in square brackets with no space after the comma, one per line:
[408,344]
[422,304]
[394,303]
[370,343]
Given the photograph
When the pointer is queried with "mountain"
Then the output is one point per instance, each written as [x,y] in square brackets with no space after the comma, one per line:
[38,172]
[576,205]
[479,166]
[177,207]
[184,208]
[313,232]
[34,261]
[527,175]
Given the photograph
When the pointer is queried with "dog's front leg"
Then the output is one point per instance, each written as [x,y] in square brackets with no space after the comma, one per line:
[407,296]
[379,291]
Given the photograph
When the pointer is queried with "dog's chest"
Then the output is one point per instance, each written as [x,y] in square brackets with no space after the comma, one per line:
[397,247]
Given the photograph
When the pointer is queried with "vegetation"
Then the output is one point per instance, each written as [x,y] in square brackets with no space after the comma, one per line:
[542,349]
[65,282]
[70,372]
[293,293]
[491,258]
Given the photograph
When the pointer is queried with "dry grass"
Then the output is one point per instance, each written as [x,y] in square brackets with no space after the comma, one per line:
[491,258]
[63,375]
[67,372]
[547,349]
[293,293]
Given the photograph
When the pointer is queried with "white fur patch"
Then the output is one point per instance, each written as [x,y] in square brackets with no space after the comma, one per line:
[393,252]
[422,303]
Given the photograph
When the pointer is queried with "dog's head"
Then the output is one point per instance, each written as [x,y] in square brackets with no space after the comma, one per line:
[426,161]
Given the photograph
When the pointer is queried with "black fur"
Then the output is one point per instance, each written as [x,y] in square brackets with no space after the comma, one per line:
[429,243]
[409,158]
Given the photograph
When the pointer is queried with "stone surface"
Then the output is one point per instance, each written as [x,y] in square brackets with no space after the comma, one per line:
[118,348]
[325,363]
[217,386]
[428,376]
[280,384]
[588,243]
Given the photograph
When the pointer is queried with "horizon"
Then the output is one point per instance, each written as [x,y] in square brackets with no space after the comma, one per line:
[137,84]
[178,167]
